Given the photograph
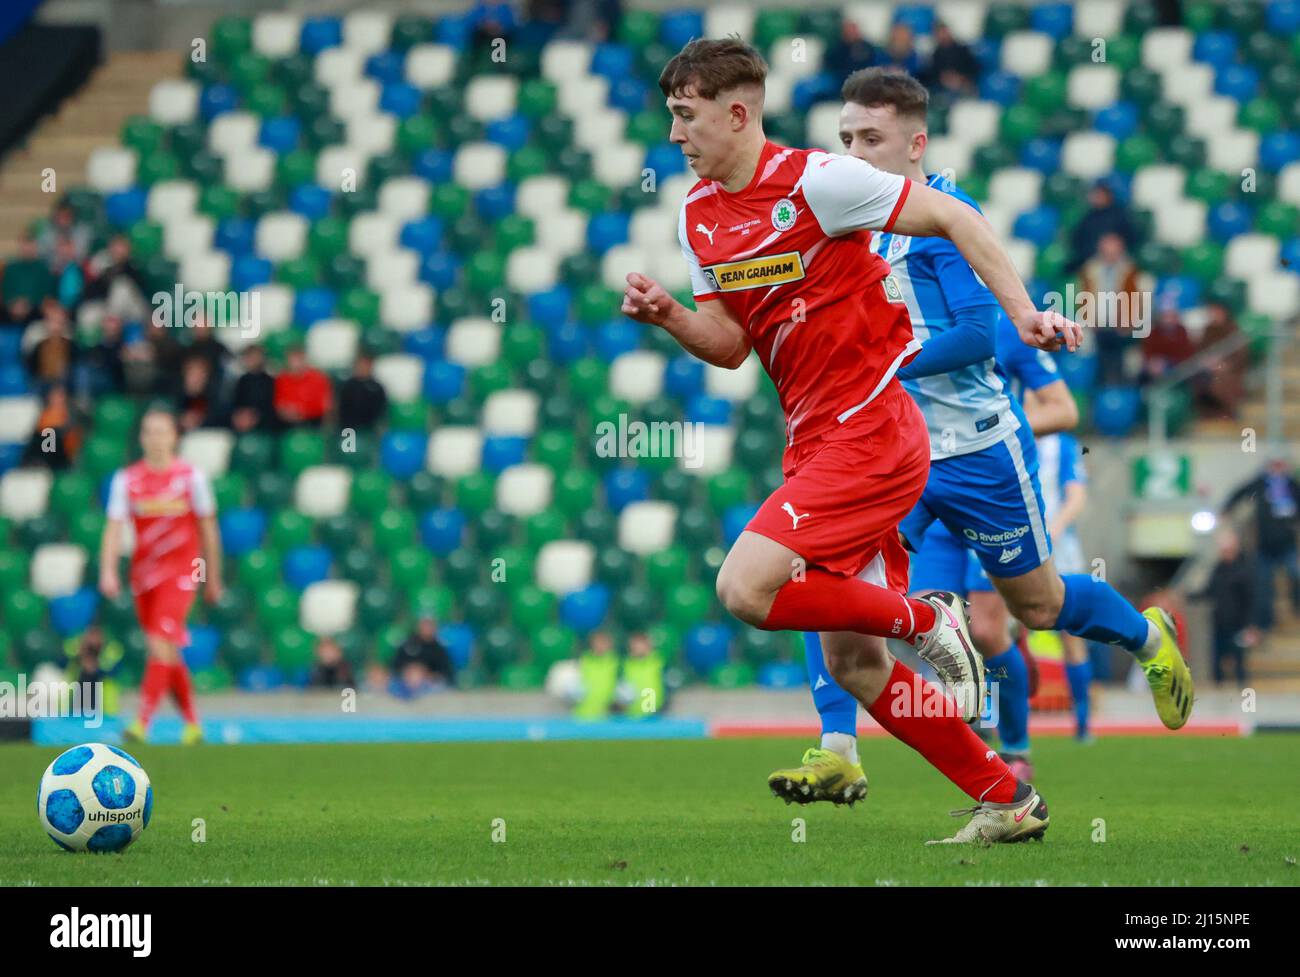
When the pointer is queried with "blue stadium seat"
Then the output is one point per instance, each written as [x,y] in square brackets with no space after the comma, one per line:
[440,269]
[387,67]
[1041,154]
[400,99]
[550,306]
[311,305]
[442,530]
[304,565]
[679,26]
[260,678]
[458,639]
[311,201]
[1038,226]
[735,519]
[1277,149]
[616,337]
[1215,48]
[241,530]
[443,381]
[425,343]
[1119,120]
[630,95]
[1239,81]
[684,377]
[73,613]
[1283,16]
[703,409]
[1079,371]
[606,230]
[402,452]
[566,342]
[1001,87]
[499,453]
[423,235]
[201,652]
[626,485]
[435,165]
[665,159]
[511,132]
[1227,220]
[235,236]
[782,675]
[280,133]
[248,271]
[613,61]
[706,646]
[217,99]
[1054,19]
[318,33]
[1115,410]
[584,610]
[125,207]
[496,202]
[13,380]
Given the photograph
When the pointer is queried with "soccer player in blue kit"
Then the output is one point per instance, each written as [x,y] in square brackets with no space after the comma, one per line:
[983,484]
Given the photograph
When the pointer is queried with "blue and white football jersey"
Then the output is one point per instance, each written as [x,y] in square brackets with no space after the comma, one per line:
[968,409]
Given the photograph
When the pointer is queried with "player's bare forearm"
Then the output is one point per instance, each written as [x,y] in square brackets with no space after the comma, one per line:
[707,338]
[110,550]
[708,334]
[929,213]
[211,551]
[1051,409]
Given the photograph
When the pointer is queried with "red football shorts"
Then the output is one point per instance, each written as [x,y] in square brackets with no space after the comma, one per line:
[845,493]
[163,610]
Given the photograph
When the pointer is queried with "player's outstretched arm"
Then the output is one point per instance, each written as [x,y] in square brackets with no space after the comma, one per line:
[709,334]
[1051,409]
[929,213]
[211,536]
[110,551]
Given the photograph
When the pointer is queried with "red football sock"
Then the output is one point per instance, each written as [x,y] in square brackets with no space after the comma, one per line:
[825,601]
[157,677]
[948,743]
[183,691]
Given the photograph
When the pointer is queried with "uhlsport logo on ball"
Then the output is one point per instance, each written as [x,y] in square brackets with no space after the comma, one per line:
[96,798]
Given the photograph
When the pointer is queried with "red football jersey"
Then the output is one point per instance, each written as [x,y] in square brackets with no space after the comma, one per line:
[164,506]
[791,256]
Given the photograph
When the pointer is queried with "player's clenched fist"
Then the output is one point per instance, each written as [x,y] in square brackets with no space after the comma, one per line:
[1049,330]
[645,300]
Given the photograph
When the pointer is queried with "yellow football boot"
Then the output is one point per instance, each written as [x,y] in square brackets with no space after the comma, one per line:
[824,775]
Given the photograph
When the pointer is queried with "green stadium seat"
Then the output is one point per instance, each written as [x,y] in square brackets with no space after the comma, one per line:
[410,567]
[289,528]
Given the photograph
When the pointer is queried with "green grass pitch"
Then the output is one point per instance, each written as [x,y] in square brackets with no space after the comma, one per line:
[1174,811]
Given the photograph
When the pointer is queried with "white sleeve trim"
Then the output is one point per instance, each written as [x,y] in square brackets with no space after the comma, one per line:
[849,194]
[201,497]
[117,507]
[699,284]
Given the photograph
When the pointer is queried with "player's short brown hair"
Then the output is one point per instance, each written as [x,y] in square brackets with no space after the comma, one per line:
[711,67]
[887,86]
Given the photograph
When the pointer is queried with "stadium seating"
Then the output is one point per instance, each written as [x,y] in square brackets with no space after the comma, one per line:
[378,183]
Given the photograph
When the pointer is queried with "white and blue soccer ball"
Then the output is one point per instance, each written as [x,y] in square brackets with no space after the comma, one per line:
[94,797]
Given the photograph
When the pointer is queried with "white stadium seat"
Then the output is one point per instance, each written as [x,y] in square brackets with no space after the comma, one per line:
[332,343]
[874,18]
[322,491]
[564,233]
[619,164]
[174,101]
[564,565]
[709,449]
[637,376]
[18,417]
[736,385]
[430,65]
[525,490]
[1088,155]
[341,166]
[57,569]
[646,527]
[1096,18]
[169,199]
[233,132]
[1250,254]
[724,19]
[1092,86]
[372,233]
[474,341]
[336,67]
[532,269]
[974,121]
[328,607]
[540,196]
[618,261]
[565,59]
[111,168]
[479,165]
[24,493]
[208,450]
[1017,188]
[454,451]
[1275,293]
[1026,53]
[401,375]
[281,236]
[1180,223]
[207,271]
[273,308]
[357,98]
[373,135]
[1288,183]
[1233,151]
[392,269]
[367,31]
[406,308]
[188,234]
[965,18]
[250,170]
[1158,184]
[1163,47]
[489,97]
[510,413]
[405,197]
[276,35]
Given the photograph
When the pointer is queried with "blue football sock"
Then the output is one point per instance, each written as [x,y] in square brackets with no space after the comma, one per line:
[838,709]
[1094,610]
[1080,677]
[1011,674]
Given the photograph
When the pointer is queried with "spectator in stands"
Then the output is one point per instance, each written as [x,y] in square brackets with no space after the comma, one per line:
[900,50]
[117,280]
[51,353]
[953,70]
[422,663]
[1167,346]
[302,393]
[1275,495]
[153,364]
[26,284]
[1105,215]
[362,399]
[598,669]
[70,280]
[63,226]
[641,686]
[850,53]
[1231,587]
[205,345]
[331,670]
[253,402]
[1119,291]
[1223,384]
[199,402]
[93,661]
[57,438]
[100,369]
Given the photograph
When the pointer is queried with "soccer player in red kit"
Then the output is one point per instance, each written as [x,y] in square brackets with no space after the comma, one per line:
[177,547]
[778,244]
